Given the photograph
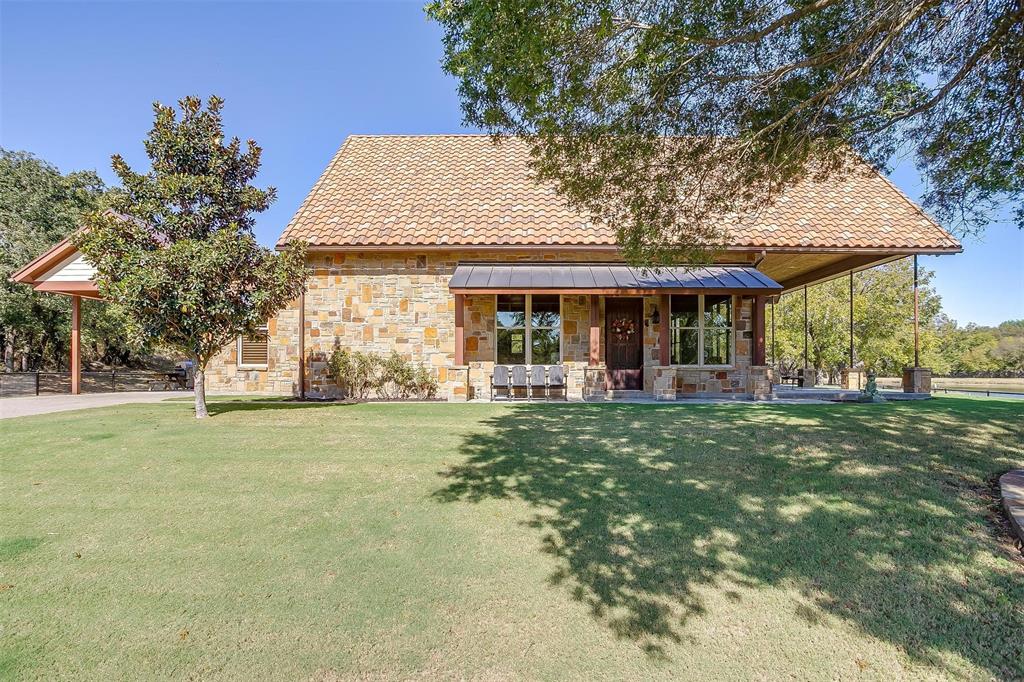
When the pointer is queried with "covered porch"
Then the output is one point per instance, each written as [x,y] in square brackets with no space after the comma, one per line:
[619,331]
[64,270]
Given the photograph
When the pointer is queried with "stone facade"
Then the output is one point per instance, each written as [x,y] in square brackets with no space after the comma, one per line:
[385,301]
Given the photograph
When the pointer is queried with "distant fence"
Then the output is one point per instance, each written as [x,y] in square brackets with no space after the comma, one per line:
[43,383]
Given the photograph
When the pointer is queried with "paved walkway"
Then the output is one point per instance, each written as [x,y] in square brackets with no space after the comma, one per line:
[1012,487]
[44,404]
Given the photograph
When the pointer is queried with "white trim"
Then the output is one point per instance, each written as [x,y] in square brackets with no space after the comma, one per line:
[528,322]
[262,366]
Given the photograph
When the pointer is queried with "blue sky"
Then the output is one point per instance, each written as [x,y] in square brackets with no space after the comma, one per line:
[77,80]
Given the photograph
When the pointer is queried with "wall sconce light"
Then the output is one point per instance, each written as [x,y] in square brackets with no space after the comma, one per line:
[655,317]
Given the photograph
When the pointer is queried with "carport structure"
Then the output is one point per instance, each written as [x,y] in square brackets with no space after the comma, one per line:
[64,270]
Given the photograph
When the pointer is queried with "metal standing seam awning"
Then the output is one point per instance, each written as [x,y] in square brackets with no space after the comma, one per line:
[608,278]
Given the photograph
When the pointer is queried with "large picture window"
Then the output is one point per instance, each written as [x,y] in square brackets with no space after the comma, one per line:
[700,330]
[529,329]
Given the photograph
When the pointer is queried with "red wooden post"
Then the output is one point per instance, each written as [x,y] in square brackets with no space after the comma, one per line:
[76,351]
[664,351]
[759,303]
[460,329]
[595,331]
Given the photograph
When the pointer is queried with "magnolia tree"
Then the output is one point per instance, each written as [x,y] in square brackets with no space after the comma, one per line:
[176,254]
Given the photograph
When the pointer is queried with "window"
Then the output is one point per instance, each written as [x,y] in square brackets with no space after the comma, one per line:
[529,329]
[700,330]
[253,350]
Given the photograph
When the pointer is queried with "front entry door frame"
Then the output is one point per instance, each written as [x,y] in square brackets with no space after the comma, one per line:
[624,350]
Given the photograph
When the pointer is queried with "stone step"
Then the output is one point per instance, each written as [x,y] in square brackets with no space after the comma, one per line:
[621,394]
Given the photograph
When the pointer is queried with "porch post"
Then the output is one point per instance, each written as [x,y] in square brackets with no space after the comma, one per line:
[851,319]
[595,331]
[460,329]
[76,350]
[664,351]
[917,331]
[773,331]
[805,325]
[759,303]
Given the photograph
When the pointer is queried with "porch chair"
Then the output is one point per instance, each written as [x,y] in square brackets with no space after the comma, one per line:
[537,382]
[499,382]
[556,381]
[519,388]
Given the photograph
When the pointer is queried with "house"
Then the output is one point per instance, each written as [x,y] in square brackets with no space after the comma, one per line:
[443,249]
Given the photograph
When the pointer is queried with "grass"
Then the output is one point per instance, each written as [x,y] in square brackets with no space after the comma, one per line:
[304,541]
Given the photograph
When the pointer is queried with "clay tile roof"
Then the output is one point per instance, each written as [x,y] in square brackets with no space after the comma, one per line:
[432,190]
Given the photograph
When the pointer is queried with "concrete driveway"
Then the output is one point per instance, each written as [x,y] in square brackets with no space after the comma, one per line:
[44,404]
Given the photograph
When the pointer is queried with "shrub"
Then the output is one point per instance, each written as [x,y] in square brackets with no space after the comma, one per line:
[356,373]
[426,384]
[397,378]
[391,378]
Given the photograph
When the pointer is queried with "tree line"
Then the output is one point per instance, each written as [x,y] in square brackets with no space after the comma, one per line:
[883,330]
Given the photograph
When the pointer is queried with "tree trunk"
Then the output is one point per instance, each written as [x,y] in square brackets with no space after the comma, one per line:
[200,390]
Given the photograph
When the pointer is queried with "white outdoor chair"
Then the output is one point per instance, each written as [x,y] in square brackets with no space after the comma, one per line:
[538,385]
[556,381]
[499,382]
[519,388]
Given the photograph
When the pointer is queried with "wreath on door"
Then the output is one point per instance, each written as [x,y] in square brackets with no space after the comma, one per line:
[624,326]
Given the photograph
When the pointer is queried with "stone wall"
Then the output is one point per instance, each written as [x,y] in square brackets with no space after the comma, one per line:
[385,301]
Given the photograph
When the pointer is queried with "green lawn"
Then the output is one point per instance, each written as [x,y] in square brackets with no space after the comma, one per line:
[494,541]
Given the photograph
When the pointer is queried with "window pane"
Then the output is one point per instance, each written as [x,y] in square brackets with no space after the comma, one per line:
[511,346]
[684,346]
[716,346]
[512,310]
[545,346]
[544,311]
[718,311]
[684,311]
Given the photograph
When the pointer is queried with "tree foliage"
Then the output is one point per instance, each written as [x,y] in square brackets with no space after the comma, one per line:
[662,117]
[39,207]
[883,329]
[177,255]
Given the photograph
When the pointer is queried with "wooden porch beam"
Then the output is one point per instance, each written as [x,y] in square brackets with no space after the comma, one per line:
[595,331]
[460,329]
[759,325]
[665,314]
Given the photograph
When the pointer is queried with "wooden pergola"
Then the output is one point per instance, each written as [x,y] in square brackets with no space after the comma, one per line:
[64,270]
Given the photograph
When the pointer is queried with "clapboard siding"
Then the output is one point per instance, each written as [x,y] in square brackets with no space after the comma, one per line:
[73,269]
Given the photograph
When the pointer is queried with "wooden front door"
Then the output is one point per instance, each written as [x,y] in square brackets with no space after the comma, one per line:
[624,332]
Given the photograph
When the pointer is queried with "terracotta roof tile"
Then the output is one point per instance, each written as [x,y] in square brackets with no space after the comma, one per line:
[425,190]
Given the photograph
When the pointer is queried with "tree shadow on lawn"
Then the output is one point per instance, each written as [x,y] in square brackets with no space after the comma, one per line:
[872,511]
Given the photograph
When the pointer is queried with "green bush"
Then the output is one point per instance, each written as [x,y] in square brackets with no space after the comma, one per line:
[391,378]
[356,373]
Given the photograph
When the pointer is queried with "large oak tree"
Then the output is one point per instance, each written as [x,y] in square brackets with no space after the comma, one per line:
[176,254]
[664,116]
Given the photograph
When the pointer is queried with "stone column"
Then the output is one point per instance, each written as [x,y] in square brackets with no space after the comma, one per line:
[917,380]
[851,379]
